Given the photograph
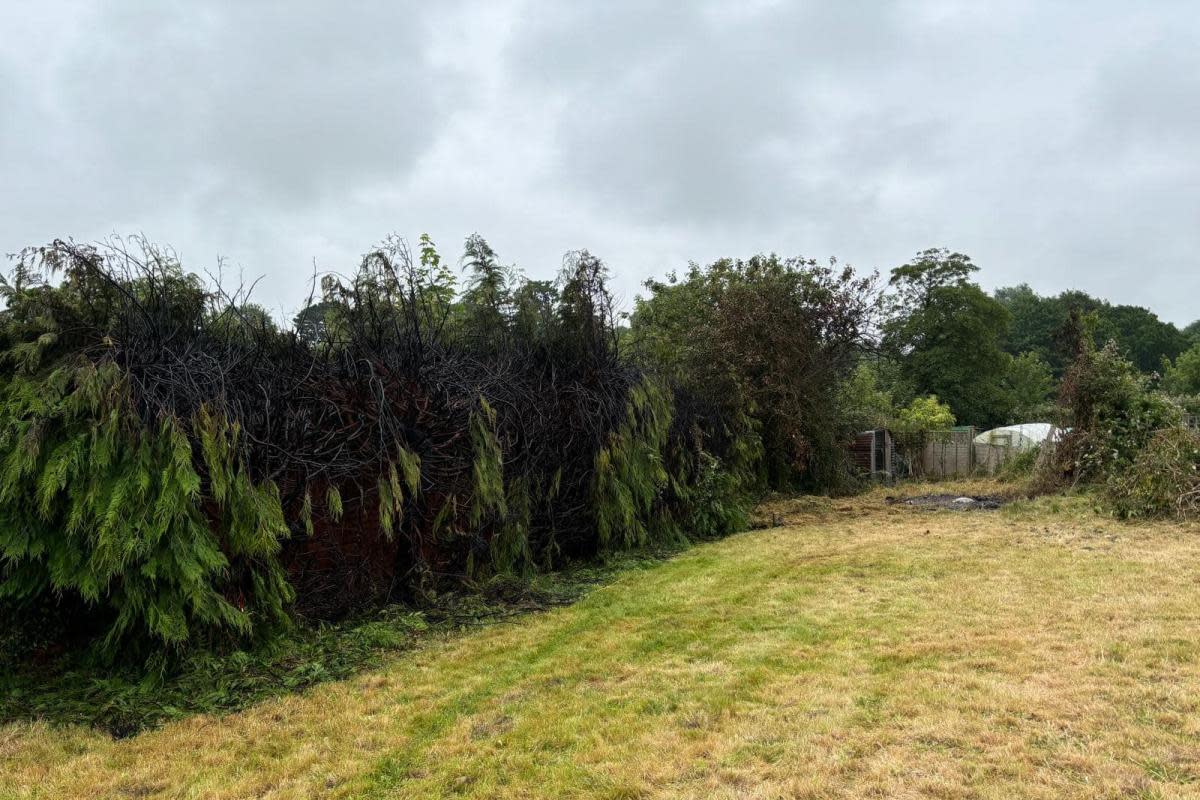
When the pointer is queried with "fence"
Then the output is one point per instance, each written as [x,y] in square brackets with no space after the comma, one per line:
[950,454]
[936,454]
[942,454]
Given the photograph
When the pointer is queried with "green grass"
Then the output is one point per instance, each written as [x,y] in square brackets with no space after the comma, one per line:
[124,699]
[859,650]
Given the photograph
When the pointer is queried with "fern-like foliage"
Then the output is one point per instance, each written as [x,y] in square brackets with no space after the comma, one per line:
[629,470]
[127,517]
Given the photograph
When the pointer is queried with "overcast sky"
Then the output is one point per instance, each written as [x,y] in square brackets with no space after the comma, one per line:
[1056,143]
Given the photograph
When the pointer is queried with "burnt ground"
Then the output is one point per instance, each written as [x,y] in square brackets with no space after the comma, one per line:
[950,502]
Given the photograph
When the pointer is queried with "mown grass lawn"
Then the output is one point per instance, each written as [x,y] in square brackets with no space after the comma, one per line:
[859,650]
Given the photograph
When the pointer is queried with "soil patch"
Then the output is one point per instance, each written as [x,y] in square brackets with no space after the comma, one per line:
[950,502]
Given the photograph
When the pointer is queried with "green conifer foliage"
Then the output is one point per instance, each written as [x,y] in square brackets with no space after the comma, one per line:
[93,502]
[487,468]
[192,472]
[510,544]
[629,469]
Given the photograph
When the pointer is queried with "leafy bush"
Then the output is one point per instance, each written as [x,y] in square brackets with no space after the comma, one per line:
[96,503]
[1021,466]
[924,414]
[761,350]
[1182,376]
[1110,412]
[923,420]
[1028,387]
[1164,479]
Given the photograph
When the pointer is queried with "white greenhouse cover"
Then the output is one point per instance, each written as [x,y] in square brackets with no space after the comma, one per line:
[1022,437]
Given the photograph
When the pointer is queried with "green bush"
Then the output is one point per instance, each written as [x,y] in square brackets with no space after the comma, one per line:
[1020,466]
[924,414]
[96,504]
[183,472]
[764,352]
[1111,412]
[1164,479]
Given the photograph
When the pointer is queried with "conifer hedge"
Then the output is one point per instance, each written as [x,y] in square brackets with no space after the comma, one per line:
[180,471]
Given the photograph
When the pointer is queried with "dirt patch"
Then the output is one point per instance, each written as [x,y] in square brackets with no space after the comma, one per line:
[949,502]
[776,510]
[489,728]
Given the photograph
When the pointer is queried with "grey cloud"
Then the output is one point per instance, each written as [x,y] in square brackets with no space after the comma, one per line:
[697,115]
[275,103]
[1055,142]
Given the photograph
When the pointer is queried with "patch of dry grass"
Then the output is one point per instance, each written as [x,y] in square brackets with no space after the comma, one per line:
[861,650]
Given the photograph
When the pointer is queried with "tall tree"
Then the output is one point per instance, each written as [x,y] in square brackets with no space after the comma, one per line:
[771,343]
[1193,331]
[1183,376]
[946,334]
[487,301]
[1039,325]
[1036,325]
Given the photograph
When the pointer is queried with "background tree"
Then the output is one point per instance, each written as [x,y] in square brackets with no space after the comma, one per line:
[487,300]
[1028,387]
[1141,335]
[1193,331]
[768,343]
[1183,376]
[1039,325]
[1036,324]
[534,310]
[945,334]
[313,323]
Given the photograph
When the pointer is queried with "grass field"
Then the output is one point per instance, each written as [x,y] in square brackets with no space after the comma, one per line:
[857,650]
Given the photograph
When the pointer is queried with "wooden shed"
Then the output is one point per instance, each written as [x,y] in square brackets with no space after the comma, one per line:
[873,453]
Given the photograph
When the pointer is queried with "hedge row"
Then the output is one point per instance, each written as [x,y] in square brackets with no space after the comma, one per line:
[176,470]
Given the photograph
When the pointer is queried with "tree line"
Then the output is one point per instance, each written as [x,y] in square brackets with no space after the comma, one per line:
[178,470]
[995,359]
